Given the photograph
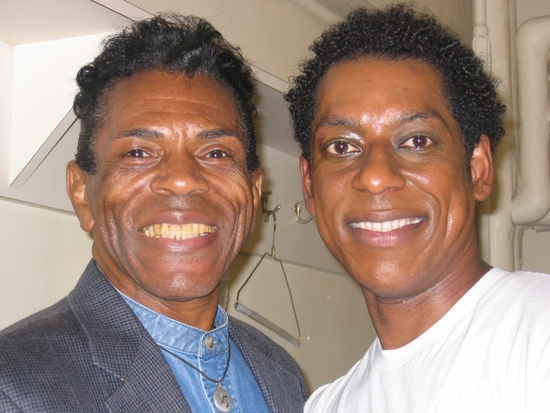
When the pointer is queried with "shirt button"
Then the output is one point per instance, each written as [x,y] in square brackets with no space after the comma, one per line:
[210,343]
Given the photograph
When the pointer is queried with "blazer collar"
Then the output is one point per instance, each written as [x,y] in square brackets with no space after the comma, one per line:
[120,346]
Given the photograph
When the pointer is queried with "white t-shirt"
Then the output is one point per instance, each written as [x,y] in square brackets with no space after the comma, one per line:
[489,353]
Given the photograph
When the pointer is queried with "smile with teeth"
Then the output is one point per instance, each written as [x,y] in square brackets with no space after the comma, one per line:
[178,232]
[385,226]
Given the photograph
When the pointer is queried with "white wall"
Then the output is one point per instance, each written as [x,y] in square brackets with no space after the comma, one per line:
[44,69]
[42,254]
[527,9]
[6,94]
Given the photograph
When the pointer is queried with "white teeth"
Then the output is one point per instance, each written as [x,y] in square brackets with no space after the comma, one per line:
[385,226]
[178,232]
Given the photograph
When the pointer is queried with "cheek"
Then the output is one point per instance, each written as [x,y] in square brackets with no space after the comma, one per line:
[238,201]
[115,210]
[329,201]
[461,211]
[331,187]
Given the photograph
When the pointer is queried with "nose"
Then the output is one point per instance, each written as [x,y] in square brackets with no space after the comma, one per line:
[179,175]
[378,171]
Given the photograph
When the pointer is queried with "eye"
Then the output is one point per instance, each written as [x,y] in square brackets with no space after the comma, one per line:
[341,148]
[417,142]
[137,153]
[217,153]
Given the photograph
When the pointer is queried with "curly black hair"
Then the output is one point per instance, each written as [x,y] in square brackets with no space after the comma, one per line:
[170,42]
[397,33]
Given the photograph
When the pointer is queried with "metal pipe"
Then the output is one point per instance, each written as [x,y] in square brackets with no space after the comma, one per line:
[496,227]
[481,43]
[532,203]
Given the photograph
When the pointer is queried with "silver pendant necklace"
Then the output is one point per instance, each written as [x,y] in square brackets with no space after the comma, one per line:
[222,399]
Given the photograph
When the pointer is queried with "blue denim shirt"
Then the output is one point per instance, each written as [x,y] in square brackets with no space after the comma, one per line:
[208,351]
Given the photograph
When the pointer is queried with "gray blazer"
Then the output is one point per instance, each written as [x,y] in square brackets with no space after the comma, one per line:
[89,353]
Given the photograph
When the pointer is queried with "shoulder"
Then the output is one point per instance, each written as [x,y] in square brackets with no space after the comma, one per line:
[39,352]
[39,328]
[342,395]
[35,338]
[48,360]
[246,330]
[529,288]
[512,316]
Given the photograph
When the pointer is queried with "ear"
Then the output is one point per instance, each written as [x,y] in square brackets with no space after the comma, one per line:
[257,181]
[76,188]
[307,190]
[481,169]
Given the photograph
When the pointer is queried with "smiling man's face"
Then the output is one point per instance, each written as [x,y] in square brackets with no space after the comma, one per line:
[387,181]
[171,203]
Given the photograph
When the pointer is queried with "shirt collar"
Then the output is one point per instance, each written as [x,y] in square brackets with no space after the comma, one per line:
[181,337]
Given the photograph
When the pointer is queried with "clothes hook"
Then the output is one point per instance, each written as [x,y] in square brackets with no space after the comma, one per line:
[263,200]
[272,212]
[298,209]
[253,314]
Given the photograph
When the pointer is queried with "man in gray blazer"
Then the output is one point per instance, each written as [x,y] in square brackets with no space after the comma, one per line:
[167,180]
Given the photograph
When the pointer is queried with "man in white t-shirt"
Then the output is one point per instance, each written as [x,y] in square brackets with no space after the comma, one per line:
[398,124]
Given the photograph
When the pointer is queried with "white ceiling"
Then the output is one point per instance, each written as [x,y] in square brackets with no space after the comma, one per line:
[30,21]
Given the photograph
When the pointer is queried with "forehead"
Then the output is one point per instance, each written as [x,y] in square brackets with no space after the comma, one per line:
[371,87]
[151,95]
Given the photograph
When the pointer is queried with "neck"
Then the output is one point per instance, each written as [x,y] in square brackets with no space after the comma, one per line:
[399,321]
[198,312]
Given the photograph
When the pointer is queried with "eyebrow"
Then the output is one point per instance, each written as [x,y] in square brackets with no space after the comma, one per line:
[140,133]
[337,121]
[334,121]
[422,114]
[218,133]
[418,114]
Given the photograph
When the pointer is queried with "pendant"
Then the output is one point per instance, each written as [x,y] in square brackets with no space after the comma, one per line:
[222,399]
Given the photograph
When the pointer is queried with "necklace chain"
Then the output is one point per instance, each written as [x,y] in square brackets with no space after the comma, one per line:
[200,371]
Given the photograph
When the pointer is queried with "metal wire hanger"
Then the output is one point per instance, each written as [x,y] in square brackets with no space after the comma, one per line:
[253,314]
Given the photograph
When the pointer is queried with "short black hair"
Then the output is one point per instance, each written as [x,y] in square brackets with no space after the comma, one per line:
[397,33]
[169,42]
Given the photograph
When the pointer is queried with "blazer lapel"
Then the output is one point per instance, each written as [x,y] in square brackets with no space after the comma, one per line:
[121,346]
[150,385]
[280,388]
